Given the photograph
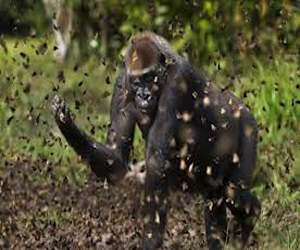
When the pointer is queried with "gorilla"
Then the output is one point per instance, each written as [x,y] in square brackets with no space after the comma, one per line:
[194,132]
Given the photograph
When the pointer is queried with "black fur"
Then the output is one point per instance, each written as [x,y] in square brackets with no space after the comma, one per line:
[194,133]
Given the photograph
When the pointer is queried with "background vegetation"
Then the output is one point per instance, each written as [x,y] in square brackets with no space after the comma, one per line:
[252,47]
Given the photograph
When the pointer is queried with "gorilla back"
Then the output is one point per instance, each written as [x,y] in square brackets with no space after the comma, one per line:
[194,132]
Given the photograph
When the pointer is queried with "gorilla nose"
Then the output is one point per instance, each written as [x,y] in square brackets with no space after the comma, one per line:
[146,96]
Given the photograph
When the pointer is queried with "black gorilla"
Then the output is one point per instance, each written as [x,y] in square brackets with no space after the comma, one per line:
[194,132]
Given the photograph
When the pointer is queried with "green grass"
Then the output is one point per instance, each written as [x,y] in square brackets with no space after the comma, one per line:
[271,90]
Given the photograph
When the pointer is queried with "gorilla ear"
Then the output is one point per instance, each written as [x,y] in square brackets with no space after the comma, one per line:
[141,56]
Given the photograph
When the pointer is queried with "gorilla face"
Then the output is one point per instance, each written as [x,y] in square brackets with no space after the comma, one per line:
[146,89]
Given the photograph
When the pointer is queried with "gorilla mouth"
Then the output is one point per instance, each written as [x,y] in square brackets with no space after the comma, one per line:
[145,104]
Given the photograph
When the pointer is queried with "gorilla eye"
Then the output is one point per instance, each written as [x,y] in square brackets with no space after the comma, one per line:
[135,83]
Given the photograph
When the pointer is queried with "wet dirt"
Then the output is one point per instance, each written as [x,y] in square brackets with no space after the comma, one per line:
[36,213]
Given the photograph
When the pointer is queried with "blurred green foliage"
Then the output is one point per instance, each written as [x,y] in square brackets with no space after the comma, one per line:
[200,29]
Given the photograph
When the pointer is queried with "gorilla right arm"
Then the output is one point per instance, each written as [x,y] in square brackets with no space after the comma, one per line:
[108,161]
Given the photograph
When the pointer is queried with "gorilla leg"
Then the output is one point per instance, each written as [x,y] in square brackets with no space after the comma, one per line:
[215,224]
[243,204]
[154,205]
[246,209]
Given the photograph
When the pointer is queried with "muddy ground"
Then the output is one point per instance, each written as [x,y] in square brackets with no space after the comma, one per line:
[37,214]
